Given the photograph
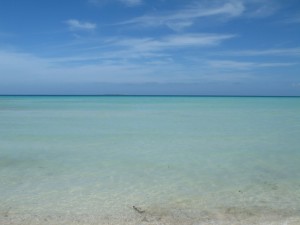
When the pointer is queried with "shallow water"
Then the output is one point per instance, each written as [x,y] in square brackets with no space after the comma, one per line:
[185,160]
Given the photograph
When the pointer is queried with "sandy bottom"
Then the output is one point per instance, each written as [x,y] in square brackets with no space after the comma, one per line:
[160,216]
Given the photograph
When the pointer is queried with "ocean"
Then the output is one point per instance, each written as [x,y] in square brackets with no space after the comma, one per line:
[149,160]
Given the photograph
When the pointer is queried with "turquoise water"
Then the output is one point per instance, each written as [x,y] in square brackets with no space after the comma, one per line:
[181,160]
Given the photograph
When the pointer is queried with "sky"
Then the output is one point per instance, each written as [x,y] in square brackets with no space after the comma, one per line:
[150,47]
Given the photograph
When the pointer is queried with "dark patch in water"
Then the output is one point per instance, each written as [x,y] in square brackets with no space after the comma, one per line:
[17,162]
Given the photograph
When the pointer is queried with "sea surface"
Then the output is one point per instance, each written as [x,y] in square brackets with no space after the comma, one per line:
[149,160]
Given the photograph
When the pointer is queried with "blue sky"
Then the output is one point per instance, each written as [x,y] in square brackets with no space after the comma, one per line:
[205,47]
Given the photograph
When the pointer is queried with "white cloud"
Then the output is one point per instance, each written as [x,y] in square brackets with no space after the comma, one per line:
[219,10]
[179,25]
[228,64]
[16,67]
[131,2]
[186,17]
[294,19]
[97,2]
[78,25]
[265,52]
[172,42]
[240,65]
[142,50]
[260,8]
[23,68]
[296,85]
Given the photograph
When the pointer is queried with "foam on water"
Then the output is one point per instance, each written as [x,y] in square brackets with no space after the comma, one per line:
[184,160]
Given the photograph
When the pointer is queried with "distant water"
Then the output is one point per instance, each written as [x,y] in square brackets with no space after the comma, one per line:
[178,160]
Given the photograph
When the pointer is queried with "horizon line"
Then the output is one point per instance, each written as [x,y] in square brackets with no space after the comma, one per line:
[136,95]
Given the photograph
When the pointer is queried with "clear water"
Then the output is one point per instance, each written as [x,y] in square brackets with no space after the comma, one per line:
[182,160]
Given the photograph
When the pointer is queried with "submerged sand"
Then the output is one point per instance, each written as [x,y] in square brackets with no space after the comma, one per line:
[161,216]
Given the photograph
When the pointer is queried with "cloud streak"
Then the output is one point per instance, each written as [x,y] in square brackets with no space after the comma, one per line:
[261,8]
[143,51]
[186,17]
[265,52]
[172,42]
[32,69]
[241,65]
[129,3]
[293,20]
[221,10]
[80,25]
